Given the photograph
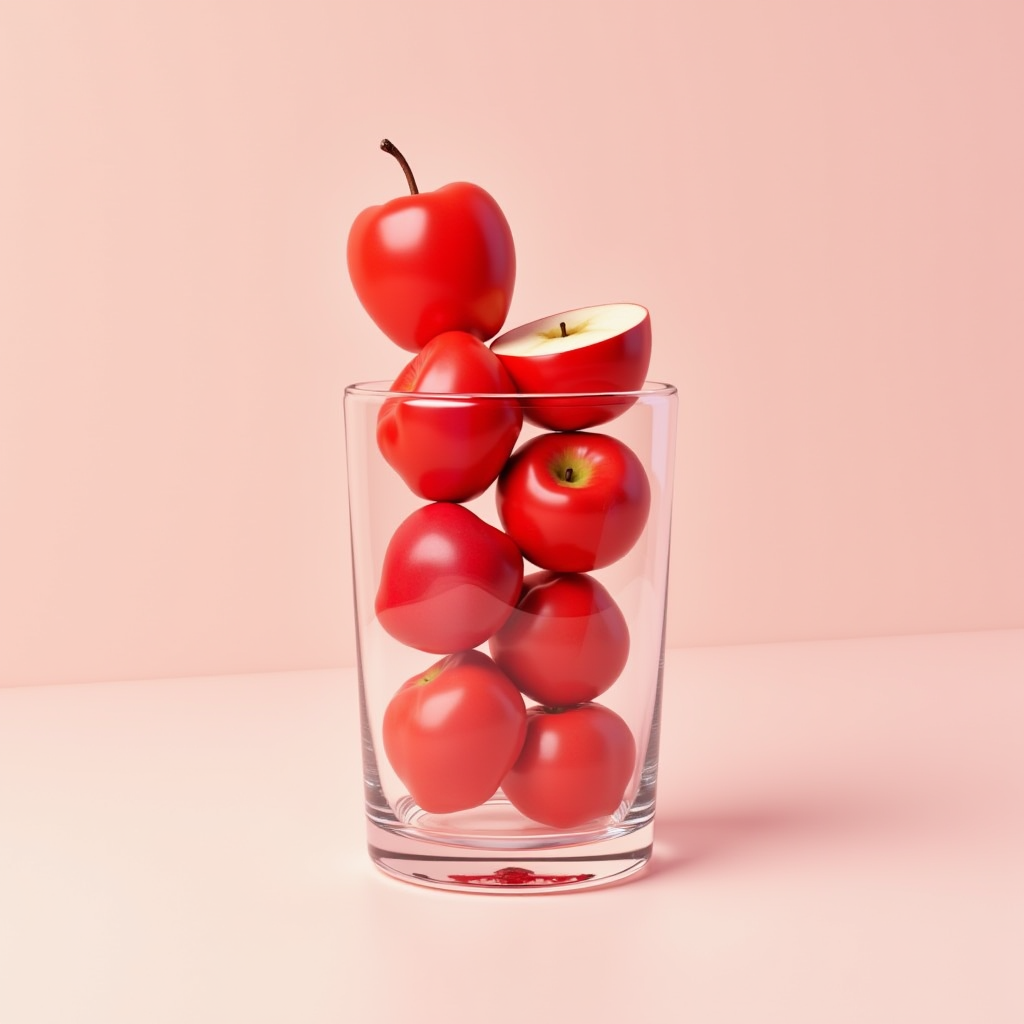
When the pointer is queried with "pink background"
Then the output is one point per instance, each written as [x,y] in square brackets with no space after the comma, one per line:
[820,203]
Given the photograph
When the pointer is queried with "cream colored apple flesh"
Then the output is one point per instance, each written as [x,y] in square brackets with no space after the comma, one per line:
[598,350]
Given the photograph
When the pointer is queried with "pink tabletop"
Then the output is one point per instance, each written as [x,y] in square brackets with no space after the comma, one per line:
[840,839]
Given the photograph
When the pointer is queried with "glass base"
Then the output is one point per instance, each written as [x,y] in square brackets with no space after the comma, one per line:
[502,867]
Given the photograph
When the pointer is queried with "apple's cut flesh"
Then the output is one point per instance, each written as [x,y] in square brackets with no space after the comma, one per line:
[597,350]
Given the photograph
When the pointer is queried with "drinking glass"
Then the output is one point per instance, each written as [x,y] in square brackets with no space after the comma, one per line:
[589,747]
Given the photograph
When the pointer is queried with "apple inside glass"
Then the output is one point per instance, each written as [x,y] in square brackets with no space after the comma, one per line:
[566,642]
[574,501]
[575,765]
[452,732]
[450,449]
[449,580]
[595,349]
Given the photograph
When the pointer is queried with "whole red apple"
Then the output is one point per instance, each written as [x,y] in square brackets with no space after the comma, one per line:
[574,767]
[450,449]
[449,580]
[431,262]
[574,501]
[452,732]
[594,349]
[566,642]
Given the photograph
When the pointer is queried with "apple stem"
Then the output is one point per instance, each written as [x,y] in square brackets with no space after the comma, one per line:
[568,474]
[564,333]
[389,147]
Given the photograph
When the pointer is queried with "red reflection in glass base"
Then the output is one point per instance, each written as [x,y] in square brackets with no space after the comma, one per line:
[517,876]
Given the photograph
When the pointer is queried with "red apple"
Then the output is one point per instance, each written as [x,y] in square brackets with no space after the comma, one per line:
[450,450]
[594,349]
[566,642]
[449,580]
[452,732]
[574,767]
[574,501]
[431,262]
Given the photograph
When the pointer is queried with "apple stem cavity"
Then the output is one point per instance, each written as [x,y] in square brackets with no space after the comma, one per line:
[564,332]
[432,673]
[389,147]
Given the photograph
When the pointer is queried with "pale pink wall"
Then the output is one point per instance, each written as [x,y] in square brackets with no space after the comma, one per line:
[821,204]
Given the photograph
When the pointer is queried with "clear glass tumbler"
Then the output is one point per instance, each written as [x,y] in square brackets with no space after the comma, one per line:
[510,632]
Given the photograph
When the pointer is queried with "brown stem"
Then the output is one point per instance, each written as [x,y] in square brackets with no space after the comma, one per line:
[389,147]
[564,332]
[568,474]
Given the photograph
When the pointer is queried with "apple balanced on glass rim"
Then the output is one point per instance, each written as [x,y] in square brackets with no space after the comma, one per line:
[520,639]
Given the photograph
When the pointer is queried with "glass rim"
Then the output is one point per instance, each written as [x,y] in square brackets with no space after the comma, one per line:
[383,389]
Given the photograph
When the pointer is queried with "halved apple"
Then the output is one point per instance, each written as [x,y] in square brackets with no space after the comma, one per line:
[594,349]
